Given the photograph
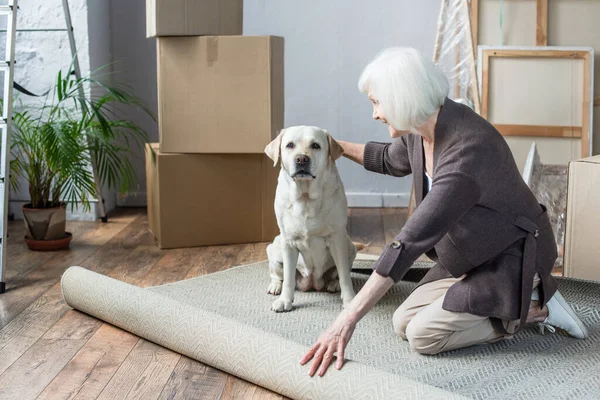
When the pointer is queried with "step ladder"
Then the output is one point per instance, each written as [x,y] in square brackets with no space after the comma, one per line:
[8,68]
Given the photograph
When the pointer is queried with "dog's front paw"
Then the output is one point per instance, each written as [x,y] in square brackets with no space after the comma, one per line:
[281,305]
[347,298]
[333,286]
[274,287]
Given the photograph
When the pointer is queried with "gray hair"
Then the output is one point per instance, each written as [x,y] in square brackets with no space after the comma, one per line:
[408,86]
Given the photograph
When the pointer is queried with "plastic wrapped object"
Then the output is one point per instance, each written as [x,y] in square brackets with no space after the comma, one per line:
[454,52]
[548,182]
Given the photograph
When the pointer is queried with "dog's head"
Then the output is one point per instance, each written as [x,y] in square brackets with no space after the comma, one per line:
[305,151]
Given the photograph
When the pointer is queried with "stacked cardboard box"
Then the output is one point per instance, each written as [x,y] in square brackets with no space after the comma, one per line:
[582,252]
[220,102]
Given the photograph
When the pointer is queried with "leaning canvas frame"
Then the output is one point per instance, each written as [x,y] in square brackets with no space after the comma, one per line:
[541,22]
[585,53]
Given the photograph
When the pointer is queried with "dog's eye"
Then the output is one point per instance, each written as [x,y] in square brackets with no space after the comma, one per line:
[290,145]
[315,146]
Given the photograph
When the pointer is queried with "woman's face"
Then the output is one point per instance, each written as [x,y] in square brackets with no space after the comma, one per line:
[379,115]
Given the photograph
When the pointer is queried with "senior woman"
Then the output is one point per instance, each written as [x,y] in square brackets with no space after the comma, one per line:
[475,217]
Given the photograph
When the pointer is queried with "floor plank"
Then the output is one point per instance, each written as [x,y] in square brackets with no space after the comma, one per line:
[174,266]
[25,329]
[21,260]
[393,219]
[88,372]
[36,368]
[23,292]
[367,228]
[119,247]
[251,253]
[217,258]
[73,325]
[193,380]
[30,374]
[143,374]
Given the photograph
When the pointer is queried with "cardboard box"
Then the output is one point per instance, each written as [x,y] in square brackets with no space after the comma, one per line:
[210,199]
[219,94]
[193,17]
[582,233]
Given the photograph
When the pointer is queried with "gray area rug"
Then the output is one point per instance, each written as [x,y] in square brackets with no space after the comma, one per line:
[528,366]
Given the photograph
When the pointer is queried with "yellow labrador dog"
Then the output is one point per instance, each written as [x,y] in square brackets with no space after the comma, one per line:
[313,249]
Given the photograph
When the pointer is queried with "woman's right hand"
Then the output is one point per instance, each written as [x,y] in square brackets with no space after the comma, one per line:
[333,340]
[353,151]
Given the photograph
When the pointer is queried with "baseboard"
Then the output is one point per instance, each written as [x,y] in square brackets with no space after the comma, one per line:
[137,199]
[378,200]
[79,214]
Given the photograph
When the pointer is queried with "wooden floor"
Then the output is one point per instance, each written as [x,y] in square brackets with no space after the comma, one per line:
[49,351]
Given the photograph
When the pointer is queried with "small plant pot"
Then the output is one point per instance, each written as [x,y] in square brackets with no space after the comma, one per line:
[46,225]
[49,245]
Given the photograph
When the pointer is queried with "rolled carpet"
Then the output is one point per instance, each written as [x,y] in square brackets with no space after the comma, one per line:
[263,358]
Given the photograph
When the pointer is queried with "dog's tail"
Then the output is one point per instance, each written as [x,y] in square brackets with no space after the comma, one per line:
[360,246]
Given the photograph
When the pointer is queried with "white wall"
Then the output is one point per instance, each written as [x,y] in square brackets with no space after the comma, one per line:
[135,65]
[327,43]
[100,56]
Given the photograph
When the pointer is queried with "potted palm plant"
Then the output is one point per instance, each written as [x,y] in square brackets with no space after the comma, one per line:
[53,145]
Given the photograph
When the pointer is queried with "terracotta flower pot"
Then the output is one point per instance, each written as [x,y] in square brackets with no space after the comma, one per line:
[45,228]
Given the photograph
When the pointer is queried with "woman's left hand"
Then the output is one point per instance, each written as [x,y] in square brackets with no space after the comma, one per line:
[333,340]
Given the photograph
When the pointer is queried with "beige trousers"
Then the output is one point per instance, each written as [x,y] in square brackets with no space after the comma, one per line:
[430,329]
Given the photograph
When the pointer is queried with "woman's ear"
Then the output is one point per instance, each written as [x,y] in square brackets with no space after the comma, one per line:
[273,149]
[335,149]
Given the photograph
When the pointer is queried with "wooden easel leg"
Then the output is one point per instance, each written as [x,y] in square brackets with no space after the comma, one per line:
[439,37]
[471,58]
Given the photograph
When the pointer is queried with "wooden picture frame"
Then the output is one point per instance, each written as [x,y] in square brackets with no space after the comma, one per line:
[485,53]
[541,22]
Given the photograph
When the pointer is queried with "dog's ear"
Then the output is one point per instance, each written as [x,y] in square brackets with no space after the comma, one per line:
[273,149]
[335,149]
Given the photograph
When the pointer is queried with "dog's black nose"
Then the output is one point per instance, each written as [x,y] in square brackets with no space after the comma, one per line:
[302,159]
